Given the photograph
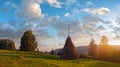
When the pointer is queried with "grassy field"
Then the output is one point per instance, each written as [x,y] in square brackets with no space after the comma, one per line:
[11,59]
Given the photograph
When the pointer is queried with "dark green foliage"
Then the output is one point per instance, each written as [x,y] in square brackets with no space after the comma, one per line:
[92,49]
[7,44]
[28,41]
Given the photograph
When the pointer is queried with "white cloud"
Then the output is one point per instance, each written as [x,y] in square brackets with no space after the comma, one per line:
[70,2]
[73,13]
[8,6]
[100,11]
[89,3]
[30,9]
[67,14]
[47,21]
[109,33]
[54,3]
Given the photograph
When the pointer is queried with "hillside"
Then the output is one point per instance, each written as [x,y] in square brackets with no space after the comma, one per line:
[10,59]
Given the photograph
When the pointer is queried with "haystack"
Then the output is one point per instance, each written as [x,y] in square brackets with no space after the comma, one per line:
[69,51]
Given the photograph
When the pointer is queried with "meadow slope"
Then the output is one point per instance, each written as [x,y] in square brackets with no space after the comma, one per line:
[10,59]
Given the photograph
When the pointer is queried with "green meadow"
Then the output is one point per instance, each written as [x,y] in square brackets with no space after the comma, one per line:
[11,59]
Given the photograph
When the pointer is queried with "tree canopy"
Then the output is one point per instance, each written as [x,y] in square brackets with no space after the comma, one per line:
[7,44]
[28,41]
[92,49]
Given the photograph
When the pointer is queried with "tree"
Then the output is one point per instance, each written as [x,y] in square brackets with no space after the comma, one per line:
[104,41]
[69,51]
[46,52]
[38,50]
[106,52]
[28,41]
[93,49]
[7,44]
[52,52]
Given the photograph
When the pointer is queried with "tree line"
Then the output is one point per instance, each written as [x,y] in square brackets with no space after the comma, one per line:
[103,51]
[28,42]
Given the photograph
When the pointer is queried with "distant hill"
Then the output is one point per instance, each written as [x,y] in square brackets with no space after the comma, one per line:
[81,50]
[84,49]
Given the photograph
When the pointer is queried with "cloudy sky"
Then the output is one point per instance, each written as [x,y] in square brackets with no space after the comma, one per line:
[49,19]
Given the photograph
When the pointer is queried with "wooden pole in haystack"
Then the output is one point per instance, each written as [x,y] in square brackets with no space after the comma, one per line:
[69,52]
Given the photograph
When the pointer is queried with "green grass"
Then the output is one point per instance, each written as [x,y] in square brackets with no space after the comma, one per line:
[10,59]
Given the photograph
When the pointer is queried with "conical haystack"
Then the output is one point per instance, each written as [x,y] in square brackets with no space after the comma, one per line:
[69,51]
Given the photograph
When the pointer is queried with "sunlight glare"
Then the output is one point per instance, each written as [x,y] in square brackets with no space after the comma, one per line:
[114,42]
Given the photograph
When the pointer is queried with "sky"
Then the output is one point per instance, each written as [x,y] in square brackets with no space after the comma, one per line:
[49,19]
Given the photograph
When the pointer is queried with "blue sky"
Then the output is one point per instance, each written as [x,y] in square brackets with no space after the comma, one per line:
[48,19]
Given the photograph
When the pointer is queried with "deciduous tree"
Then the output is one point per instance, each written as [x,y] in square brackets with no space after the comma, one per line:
[7,44]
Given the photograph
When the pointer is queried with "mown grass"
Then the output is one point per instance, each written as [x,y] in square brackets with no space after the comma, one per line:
[10,59]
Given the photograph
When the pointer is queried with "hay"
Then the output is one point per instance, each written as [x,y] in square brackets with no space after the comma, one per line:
[69,51]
